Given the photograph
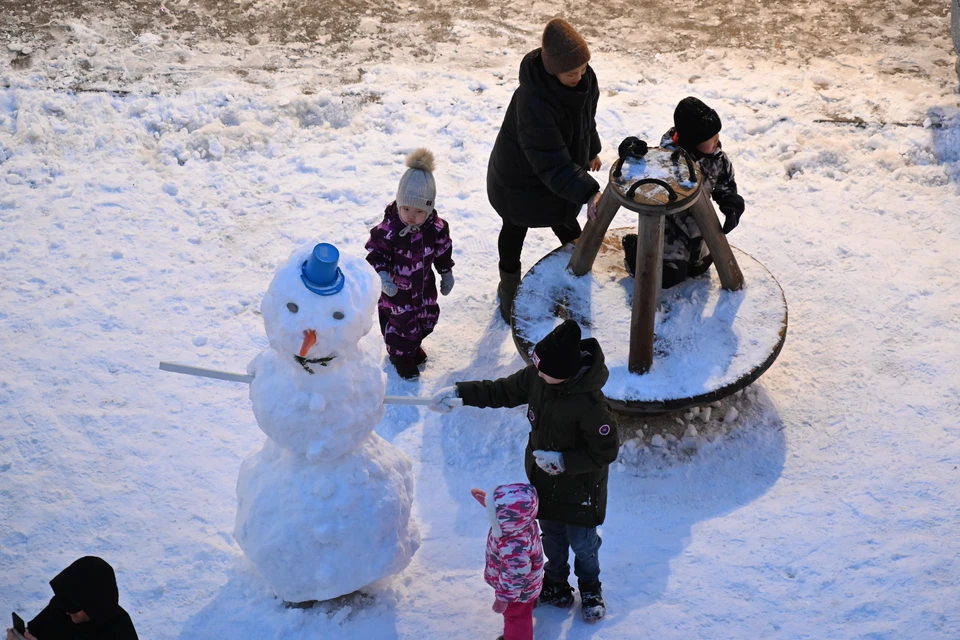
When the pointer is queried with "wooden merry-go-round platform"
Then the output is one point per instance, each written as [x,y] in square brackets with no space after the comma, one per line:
[697,342]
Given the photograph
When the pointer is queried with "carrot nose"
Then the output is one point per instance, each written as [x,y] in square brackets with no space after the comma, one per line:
[309,339]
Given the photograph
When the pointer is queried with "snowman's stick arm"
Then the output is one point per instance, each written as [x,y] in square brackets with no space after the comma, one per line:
[206,373]
[242,377]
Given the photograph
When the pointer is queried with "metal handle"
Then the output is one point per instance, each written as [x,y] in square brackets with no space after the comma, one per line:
[617,166]
[671,194]
[680,151]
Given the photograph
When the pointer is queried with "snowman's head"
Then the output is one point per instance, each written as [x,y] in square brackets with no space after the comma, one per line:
[314,322]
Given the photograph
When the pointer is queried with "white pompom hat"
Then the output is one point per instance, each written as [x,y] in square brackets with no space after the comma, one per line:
[417,188]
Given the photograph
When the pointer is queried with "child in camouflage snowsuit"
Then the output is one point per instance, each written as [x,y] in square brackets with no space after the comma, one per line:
[514,558]
[685,253]
[402,248]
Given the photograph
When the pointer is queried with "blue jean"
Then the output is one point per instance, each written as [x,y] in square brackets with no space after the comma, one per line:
[558,538]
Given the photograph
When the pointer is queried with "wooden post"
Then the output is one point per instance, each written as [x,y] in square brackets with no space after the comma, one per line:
[703,212]
[646,292]
[590,240]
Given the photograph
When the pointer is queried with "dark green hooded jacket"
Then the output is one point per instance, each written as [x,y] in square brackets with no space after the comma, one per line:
[87,585]
[572,417]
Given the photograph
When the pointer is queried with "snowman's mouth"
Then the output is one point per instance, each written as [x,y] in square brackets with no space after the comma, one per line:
[310,339]
[306,362]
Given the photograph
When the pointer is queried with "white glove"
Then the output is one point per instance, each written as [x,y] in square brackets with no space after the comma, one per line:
[439,400]
[550,461]
[446,282]
[387,285]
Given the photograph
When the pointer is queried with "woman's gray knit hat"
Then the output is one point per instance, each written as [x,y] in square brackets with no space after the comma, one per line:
[417,188]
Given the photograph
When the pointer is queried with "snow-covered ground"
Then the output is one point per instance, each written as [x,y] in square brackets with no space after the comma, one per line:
[145,226]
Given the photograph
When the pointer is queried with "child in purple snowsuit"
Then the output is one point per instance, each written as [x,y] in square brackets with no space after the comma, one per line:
[402,248]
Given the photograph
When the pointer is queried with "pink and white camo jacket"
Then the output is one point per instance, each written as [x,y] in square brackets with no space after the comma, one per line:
[514,554]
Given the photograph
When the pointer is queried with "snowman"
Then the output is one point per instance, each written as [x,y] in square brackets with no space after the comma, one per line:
[324,505]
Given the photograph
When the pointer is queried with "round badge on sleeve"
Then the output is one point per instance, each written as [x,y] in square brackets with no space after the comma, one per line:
[605,430]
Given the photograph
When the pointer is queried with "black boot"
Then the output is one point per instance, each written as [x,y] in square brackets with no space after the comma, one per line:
[406,367]
[420,357]
[559,594]
[507,291]
[591,601]
[629,243]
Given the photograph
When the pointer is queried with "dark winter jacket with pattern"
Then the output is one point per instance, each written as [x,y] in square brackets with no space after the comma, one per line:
[87,585]
[682,240]
[572,417]
[537,174]
[407,254]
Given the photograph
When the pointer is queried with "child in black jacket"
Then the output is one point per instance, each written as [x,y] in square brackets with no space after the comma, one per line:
[696,128]
[573,439]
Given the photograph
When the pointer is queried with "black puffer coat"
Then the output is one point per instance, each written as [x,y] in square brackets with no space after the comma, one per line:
[572,417]
[87,585]
[537,174]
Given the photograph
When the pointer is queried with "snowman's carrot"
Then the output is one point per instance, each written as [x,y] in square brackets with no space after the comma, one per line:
[309,339]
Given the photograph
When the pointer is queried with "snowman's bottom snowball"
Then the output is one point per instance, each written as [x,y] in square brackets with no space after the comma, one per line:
[320,530]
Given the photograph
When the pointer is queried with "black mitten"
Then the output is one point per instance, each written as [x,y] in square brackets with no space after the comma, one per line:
[731,206]
[632,147]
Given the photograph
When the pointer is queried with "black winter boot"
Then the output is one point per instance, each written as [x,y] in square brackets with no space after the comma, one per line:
[420,357]
[507,290]
[629,243]
[559,594]
[591,601]
[406,367]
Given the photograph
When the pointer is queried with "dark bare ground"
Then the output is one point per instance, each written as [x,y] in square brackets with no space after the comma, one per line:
[818,29]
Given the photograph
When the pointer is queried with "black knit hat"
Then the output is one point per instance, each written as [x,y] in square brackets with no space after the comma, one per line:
[558,354]
[562,47]
[695,122]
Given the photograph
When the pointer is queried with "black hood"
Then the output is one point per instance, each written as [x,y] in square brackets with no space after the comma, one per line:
[88,584]
[536,78]
[593,374]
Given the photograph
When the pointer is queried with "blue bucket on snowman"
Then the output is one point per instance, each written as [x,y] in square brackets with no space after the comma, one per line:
[320,273]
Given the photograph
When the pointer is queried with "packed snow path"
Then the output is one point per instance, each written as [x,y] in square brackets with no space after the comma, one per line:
[145,226]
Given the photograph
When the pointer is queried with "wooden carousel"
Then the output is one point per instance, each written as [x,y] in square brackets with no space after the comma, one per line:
[666,350]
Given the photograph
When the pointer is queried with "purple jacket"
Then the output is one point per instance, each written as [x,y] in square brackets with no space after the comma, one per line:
[407,255]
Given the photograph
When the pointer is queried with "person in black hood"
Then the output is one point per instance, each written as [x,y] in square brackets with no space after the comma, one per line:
[573,439]
[537,174]
[85,606]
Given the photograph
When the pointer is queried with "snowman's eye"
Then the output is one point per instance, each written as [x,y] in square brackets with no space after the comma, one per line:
[338,315]
[292,307]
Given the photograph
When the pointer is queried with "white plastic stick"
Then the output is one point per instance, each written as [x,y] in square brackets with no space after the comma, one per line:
[206,373]
[243,377]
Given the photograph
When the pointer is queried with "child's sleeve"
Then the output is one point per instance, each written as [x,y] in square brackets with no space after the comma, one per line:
[443,259]
[515,572]
[725,190]
[379,253]
[601,444]
[511,391]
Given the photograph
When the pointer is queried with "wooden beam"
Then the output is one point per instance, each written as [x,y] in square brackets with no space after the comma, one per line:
[703,212]
[590,240]
[646,292]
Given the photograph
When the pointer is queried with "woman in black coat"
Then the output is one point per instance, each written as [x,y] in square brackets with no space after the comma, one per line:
[537,174]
